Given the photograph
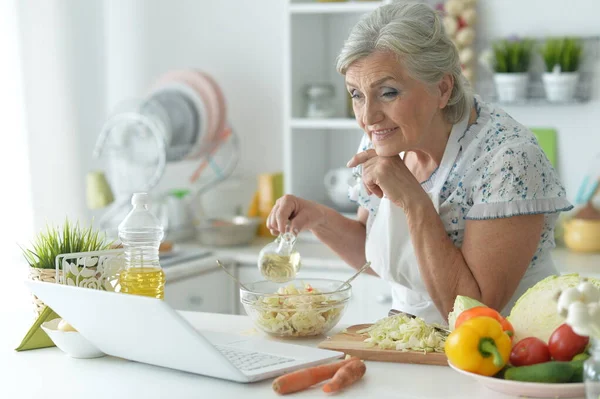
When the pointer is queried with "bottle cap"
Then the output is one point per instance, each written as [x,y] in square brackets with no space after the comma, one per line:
[139,199]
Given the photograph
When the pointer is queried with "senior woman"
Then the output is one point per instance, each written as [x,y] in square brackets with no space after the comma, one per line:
[456,197]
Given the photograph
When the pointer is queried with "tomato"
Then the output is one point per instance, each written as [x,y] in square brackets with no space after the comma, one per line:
[564,344]
[528,351]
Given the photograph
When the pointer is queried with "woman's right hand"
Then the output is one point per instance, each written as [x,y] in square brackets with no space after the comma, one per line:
[294,214]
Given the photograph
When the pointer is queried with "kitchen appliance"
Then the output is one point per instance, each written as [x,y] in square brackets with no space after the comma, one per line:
[181,120]
[177,344]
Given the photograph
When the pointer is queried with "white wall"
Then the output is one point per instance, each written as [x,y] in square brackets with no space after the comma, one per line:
[61,48]
[577,126]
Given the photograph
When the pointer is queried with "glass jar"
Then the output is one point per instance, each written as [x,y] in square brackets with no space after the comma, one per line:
[591,371]
[319,100]
[279,261]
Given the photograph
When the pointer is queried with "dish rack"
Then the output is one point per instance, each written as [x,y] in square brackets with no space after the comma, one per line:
[181,120]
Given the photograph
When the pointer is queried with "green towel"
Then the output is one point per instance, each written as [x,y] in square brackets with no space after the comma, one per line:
[36,337]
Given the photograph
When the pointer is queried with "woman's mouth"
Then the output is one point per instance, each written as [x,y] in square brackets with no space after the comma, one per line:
[382,134]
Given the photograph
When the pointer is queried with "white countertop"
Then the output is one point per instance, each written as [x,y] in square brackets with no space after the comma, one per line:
[318,255]
[48,373]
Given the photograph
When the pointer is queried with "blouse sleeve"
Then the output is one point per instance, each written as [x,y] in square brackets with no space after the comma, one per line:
[515,180]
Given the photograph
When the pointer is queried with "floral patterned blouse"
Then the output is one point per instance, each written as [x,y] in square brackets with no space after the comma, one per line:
[500,171]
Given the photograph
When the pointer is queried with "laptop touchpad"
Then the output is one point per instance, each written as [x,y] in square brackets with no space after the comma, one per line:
[220,338]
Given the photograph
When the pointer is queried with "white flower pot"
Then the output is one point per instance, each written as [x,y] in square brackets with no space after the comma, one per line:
[560,87]
[511,87]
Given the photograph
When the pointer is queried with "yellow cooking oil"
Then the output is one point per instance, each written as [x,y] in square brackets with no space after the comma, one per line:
[146,281]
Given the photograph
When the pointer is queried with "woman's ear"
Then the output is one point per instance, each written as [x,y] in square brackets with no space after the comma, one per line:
[445,87]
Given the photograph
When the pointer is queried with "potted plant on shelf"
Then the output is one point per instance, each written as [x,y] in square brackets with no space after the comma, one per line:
[510,64]
[562,58]
[48,244]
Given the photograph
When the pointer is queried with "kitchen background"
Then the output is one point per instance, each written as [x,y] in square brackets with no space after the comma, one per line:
[68,63]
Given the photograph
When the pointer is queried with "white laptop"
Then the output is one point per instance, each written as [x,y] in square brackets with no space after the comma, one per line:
[148,330]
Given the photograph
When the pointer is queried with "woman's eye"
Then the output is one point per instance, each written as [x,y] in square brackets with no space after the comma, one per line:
[390,93]
[354,94]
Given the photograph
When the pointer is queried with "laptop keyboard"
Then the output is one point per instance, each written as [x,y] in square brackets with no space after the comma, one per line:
[247,361]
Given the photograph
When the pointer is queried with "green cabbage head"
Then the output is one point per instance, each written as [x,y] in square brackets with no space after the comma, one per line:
[461,303]
[535,313]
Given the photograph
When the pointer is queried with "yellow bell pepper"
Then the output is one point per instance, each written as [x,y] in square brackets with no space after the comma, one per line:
[479,346]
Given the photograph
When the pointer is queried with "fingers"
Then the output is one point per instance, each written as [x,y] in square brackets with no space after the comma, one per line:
[282,217]
[361,157]
[375,189]
[272,221]
[279,217]
[299,222]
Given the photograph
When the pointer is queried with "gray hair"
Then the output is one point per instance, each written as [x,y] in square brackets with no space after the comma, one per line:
[415,33]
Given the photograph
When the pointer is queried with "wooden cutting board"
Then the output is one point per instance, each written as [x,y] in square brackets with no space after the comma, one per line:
[352,344]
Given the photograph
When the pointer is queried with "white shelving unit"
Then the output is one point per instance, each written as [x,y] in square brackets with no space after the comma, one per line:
[314,36]
[333,7]
[330,123]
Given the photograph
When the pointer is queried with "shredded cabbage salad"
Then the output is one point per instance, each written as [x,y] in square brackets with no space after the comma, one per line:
[306,312]
[404,333]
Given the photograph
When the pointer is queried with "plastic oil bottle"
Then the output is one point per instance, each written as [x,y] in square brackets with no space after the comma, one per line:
[141,233]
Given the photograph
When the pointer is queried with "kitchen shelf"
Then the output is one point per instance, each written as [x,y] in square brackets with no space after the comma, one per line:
[334,7]
[331,123]
[315,34]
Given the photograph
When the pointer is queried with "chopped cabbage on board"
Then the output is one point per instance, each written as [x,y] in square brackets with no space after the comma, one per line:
[404,333]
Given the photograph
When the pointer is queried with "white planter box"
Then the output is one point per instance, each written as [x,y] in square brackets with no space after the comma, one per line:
[511,87]
[560,87]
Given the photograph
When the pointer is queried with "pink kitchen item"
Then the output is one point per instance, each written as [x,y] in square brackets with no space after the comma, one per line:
[221,125]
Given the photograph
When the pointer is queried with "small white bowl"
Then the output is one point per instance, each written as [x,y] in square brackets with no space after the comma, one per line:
[71,342]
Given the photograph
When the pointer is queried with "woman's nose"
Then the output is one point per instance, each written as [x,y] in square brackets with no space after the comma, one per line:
[371,113]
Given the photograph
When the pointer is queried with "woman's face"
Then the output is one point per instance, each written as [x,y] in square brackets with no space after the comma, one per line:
[397,112]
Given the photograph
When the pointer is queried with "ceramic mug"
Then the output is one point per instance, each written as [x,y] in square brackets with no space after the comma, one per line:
[337,181]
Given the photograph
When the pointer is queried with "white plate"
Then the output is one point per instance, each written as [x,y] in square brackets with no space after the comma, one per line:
[530,389]
[199,105]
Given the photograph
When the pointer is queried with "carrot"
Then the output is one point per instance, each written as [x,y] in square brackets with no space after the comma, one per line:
[346,376]
[304,378]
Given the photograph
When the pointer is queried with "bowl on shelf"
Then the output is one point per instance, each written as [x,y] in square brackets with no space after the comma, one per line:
[227,231]
[582,235]
[71,342]
[299,308]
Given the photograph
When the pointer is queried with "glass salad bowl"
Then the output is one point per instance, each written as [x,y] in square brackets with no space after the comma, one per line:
[298,308]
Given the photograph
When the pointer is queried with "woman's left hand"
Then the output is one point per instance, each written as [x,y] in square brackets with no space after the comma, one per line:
[387,176]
